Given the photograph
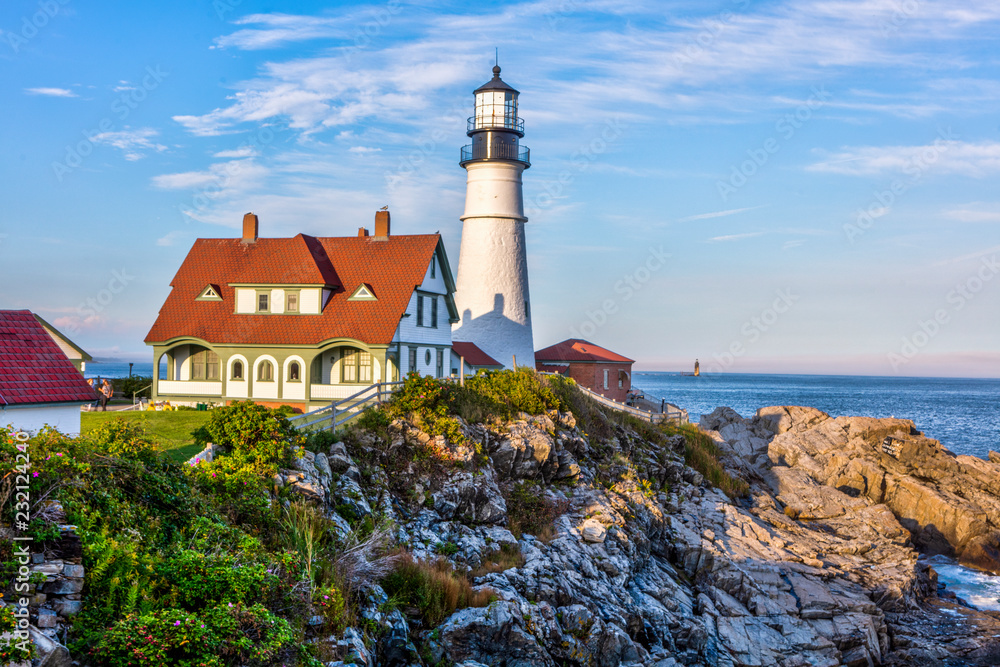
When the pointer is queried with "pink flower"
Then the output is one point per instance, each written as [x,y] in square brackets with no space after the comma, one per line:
[176,623]
[34,474]
[59,454]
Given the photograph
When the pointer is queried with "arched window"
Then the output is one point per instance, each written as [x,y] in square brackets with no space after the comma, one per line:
[265,372]
[293,372]
[237,370]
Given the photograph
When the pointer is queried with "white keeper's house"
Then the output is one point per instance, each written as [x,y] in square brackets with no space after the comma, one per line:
[303,320]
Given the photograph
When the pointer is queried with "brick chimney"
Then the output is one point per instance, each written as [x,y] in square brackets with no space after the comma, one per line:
[249,228]
[362,232]
[381,224]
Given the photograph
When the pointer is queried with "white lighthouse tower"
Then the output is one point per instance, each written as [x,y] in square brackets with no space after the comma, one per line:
[492,287]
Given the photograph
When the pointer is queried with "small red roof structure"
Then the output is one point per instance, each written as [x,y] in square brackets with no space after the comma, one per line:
[474,356]
[391,266]
[32,367]
[575,349]
[592,366]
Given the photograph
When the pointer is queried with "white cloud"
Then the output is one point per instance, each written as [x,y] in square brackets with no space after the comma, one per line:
[942,156]
[363,149]
[233,175]
[172,237]
[134,143]
[51,92]
[281,29]
[245,151]
[734,237]
[716,214]
[975,212]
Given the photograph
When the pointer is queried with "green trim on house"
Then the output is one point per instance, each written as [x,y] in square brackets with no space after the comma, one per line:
[209,294]
[363,293]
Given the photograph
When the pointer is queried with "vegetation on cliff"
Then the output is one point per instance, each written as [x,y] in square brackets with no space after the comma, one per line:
[217,563]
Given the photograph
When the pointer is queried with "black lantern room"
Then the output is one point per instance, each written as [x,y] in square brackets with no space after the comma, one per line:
[495,129]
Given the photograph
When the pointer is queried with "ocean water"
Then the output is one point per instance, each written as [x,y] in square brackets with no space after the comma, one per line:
[964,414]
[117,369]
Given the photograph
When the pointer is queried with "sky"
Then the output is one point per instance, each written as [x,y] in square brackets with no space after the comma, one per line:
[806,186]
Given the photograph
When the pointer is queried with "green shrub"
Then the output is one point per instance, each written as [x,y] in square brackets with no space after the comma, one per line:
[12,647]
[255,433]
[123,438]
[196,580]
[517,391]
[224,635]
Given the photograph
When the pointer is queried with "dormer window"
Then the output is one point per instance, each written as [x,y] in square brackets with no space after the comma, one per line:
[291,302]
[210,293]
[364,292]
[263,302]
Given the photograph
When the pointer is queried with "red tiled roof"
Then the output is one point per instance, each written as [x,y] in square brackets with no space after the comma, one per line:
[473,355]
[32,367]
[574,349]
[393,266]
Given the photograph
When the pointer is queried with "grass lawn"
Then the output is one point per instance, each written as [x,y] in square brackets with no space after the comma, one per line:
[170,430]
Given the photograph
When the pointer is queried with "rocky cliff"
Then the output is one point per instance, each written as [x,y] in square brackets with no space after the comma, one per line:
[647,564]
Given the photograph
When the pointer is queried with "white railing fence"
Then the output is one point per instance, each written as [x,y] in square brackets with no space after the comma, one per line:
[338,413]
[678,415]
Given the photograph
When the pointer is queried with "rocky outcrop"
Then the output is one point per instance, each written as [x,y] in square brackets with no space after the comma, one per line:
[821,467]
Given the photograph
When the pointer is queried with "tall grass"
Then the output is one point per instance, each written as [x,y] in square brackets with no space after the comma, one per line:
[433,588]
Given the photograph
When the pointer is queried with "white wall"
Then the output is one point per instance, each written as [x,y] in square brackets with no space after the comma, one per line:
[189,388]
[267,389]
[309,300]
[293,391]
[246,300]
[237,388]
[63,417]
[409,332]
[277,301]
[182,369]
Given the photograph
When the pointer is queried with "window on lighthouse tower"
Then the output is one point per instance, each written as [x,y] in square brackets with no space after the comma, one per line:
[496,108]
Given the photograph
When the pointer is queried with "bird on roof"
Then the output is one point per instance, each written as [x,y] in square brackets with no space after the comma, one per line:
[384,208]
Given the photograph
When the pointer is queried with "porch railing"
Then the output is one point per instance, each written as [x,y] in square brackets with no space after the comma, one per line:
[338,413]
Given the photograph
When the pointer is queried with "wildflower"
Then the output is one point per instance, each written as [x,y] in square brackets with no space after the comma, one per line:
[59,454]
[176,623]
[34,474]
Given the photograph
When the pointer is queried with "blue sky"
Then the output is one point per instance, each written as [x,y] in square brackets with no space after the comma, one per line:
[803,186]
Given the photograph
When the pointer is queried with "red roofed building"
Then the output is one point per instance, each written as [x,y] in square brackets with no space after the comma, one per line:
[303,320]
[473,358]
[592,366]
[38,384]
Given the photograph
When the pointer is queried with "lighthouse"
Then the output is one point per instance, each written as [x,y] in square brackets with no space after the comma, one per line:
[492,286]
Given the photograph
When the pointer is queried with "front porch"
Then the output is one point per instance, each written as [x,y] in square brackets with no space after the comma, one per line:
[195,372]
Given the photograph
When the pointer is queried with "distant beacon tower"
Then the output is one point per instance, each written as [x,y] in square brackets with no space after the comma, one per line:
[492,286]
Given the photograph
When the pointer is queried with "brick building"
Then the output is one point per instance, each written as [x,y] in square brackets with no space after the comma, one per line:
[591,366]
